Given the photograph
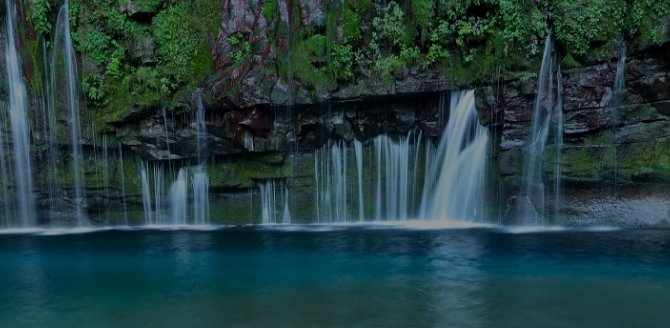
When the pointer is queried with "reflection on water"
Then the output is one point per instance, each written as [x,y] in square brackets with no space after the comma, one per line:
[348,277]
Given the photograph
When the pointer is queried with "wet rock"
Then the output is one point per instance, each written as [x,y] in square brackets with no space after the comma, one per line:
[521,211]
[489,107]
[142,49]
[517,109]
[584,121]
[405,116]
[639,113]
[137,9]
[642,132]
[513,135]
[662,107]
[88,67]
[313,13]
[510,161]
[632,206]
[597,75]
[257,120]
[652,88]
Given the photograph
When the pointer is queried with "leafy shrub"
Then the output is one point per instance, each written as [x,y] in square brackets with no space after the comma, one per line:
[177,39]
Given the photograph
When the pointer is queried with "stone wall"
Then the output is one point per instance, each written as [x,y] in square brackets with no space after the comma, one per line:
[268,106]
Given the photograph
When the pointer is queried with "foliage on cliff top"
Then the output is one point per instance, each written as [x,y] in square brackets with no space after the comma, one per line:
[151,56]
[360,39]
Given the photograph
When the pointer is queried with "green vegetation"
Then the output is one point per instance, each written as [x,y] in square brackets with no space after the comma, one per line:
[270,9]
[177,37]
[39,15]
[165,53]
[175,43]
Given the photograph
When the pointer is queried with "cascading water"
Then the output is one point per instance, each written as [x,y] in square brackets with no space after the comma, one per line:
[48,128]
[64,68]
[200,130]
[558,142]
[268,201]
[331,182]
[396,162]
[5,172]
[158,194]
[200,195]
[341,198]
[179,198]
[619,91]
[270,214]
[358,147]
[191,186]
[19,117]
[105,170]
[286,214]
[619,87]
[146,192]
[546,104]
[153,212]
[459,168]
[123,185]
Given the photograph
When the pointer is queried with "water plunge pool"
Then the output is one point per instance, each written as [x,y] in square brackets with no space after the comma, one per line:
[336,276]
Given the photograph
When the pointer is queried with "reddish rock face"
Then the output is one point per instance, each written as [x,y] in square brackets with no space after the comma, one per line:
[243,78]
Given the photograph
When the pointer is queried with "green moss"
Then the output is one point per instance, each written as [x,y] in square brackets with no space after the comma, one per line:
[177,37]
[149,5]
[39,13]
[422,12]
[315,45]
[362,5]
[350,26]
[569,62]
[235,209]
[270,10]
[586,163]
[34,51]
[662,159]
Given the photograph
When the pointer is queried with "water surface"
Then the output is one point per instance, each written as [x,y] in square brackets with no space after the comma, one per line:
[340,277]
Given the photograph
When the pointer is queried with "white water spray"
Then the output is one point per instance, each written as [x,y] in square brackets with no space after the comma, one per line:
[19,117]
[459,169]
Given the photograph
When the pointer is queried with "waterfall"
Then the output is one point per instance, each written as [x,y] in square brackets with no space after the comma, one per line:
[268,202]
[200,130]
[619,91]
[158,193]
[459,165]
[49,129]
[619,87]
[5,172]
[63,50]
[200,195]
[179,197]
[415,174]
[558,142]
[339,158]
[396,160]
[269,205]
[378,195]
[20,123]
[251,206]
[331,191]
[286,215]
[430,180]
[545,102]
[123,185]
[146,192]
[358,146]
[105,171]
[340,198]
